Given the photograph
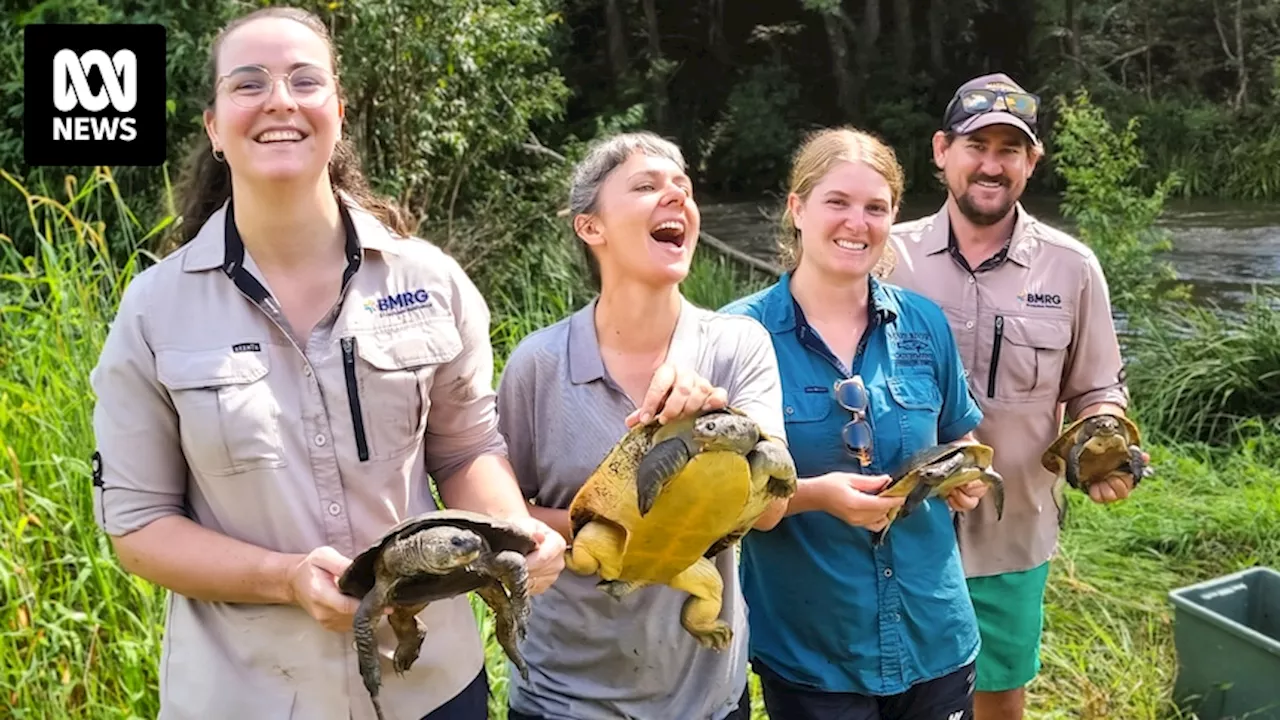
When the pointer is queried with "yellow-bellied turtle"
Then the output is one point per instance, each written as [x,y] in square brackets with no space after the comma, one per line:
[936,471]
[667,499]
[1093,447]
[432,556]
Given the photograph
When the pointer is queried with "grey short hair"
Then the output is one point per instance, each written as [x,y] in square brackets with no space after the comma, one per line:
[605,155]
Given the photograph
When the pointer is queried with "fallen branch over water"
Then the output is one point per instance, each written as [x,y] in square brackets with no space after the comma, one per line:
[737,254]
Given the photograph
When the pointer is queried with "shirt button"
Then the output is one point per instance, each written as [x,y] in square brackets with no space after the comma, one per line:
[888,572]
[969,324]
[790,410]
[971,280]
[334,509]
[895,617]
[320,440]
[306,370]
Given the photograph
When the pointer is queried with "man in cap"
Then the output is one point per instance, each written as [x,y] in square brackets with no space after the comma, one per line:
[1031,313]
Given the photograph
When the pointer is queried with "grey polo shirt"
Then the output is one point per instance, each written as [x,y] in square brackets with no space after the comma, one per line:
[210,408]
[592,657]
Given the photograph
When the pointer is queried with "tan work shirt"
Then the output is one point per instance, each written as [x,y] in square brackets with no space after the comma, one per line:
[1035,333]
[209,407]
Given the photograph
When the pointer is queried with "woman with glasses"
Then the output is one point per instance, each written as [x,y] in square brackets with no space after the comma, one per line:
[272,396]
[842,626]
[638,351]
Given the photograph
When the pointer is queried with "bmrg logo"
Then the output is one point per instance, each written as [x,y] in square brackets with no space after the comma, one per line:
[1040,299]
[71,88]
[398,302]
[94,94]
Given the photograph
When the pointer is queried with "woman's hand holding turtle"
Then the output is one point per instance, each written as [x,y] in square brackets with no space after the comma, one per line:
[848,498]
[547,559]
[966,496]
[675,393]
[313,586]
[1116,487]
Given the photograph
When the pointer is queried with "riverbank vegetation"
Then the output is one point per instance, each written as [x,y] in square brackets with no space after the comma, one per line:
[463,111]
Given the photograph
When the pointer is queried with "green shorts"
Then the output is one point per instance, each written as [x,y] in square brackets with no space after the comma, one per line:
[1010,609]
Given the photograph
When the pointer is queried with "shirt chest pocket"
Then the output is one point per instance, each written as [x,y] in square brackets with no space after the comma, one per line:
[389,378]
[909,418]
[1029,354]
[228,416]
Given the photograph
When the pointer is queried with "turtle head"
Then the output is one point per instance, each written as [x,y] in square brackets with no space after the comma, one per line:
[1102,425]
[725,431]
[446,548]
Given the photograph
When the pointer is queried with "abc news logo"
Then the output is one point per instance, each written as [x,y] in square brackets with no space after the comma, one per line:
[94,94]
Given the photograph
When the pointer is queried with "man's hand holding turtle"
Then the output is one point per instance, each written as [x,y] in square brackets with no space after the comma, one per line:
[966,497]
[547,559]
[1116,487]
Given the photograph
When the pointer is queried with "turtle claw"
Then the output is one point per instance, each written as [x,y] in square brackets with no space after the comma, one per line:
[717,638]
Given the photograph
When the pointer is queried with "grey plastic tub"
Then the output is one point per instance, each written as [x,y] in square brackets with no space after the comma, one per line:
[1227,635]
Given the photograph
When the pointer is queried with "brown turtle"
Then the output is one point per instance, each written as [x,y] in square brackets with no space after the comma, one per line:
[1093,447]
[667,499]
[433,556]
[937,470]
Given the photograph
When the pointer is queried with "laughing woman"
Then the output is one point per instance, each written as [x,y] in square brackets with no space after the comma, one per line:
[571,390]
[871,375]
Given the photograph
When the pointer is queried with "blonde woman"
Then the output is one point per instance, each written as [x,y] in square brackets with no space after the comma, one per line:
[841,627]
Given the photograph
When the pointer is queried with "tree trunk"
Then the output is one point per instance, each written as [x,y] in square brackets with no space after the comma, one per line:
[867,38]
[905,41]
[937,20]
[715,32]
[657,71]
[615,21]
[845,90]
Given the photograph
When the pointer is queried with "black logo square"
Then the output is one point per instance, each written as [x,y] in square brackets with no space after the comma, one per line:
[94,94]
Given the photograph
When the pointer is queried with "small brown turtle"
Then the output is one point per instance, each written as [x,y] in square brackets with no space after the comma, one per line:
[1093,447]
[667,499]
[936,471]
[433,556]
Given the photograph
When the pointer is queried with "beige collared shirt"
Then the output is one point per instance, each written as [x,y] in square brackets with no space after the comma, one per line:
[208,407]
[1035,334]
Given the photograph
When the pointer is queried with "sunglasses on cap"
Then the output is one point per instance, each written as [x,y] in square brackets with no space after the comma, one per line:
[968,103]
[856,434]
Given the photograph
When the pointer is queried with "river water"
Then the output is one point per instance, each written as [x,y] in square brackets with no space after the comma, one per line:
[1221,248]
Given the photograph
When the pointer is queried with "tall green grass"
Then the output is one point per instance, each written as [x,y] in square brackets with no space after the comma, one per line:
[81,638]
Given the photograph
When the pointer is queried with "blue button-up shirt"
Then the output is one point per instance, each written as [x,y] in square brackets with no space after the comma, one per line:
[827,609]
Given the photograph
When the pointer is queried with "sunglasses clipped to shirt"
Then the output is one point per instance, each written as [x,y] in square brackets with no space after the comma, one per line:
[978,101]
[851,393]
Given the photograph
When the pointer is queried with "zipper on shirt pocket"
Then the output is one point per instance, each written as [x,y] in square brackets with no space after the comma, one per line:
[995,356]
[353,395]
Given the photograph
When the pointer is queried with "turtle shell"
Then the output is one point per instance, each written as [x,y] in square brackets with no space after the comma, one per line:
[701,505]
[1054,458]
[358,579]
[920,459]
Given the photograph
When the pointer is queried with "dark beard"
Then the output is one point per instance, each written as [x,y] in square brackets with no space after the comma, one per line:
[977,216]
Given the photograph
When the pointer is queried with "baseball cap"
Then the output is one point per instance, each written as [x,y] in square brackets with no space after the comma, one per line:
[993,99]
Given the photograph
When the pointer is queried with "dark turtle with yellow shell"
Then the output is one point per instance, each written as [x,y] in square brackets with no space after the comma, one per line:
[937,470]
[667,499]
[1093,447]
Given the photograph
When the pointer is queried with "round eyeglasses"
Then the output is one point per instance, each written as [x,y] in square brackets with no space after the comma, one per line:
[250,86]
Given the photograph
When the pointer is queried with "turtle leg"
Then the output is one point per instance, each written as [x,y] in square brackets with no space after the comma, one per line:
[996,481]
[1137,466]
[410,631]
[1073,465]
[508,623]
[509,567]
[701,612]
[597,548]
[657,467]
[618,589]
[366,615]
[771,460]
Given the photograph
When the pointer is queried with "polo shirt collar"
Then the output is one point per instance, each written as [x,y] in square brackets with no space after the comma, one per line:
[937,238]
[585,363]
